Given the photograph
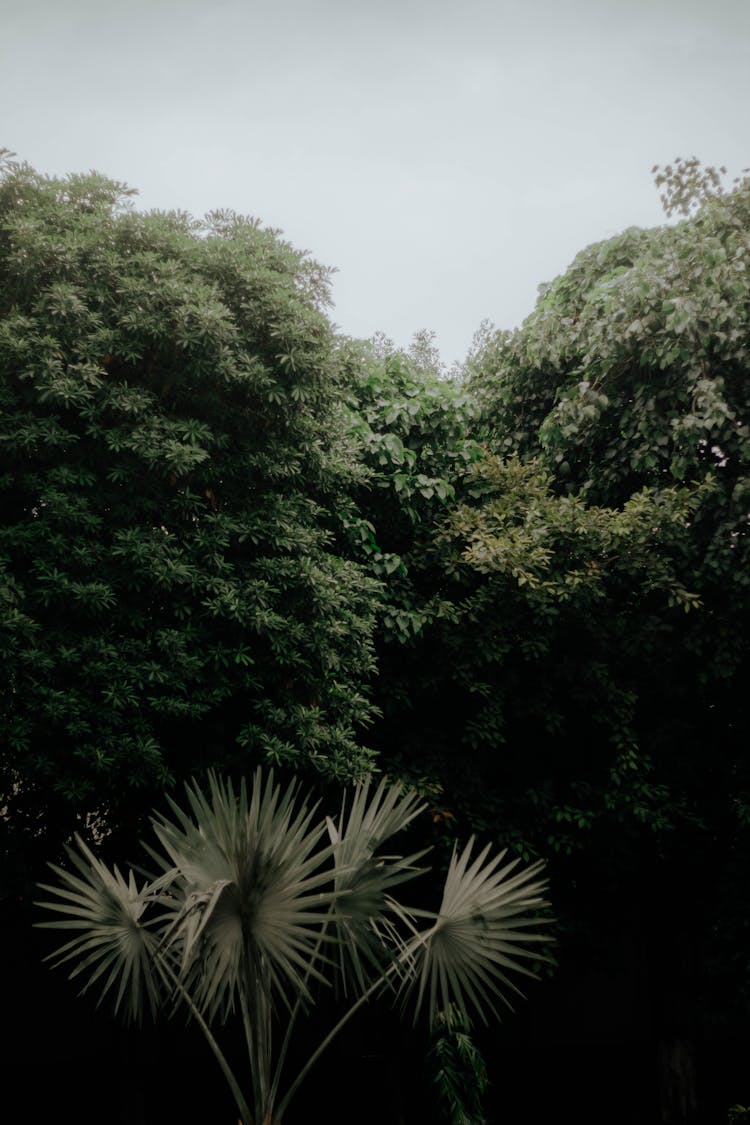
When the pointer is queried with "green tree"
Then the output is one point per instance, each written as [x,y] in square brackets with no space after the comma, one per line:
[257,900]
[173,456]
[632,373]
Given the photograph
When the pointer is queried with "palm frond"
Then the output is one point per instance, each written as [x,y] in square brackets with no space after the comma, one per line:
[116,946]
[251,889]
[364,910]
[487,922]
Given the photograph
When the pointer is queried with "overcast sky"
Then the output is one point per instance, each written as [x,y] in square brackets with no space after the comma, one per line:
[447,156]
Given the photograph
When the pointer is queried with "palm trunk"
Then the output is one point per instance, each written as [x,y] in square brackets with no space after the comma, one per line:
[678,1103]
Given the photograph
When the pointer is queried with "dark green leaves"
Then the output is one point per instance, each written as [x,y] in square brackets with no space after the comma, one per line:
[172,447]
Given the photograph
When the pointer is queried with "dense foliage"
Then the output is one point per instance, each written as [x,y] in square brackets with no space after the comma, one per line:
[564,645]
[230,535]
[173,453]
[515,621]
[632,373]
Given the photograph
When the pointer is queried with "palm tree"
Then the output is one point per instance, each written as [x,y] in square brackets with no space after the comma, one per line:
[256,900]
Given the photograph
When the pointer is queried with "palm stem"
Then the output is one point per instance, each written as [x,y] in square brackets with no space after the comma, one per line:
[378,983]
[219,1055]
[293,1016]
[257,1033]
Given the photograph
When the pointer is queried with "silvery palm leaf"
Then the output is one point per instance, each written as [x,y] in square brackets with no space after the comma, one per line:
[482,933]
[364,910]
[116,946]
[251,889]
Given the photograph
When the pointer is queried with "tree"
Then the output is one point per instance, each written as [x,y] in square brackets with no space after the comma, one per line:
[173,455]
[251,908]
[632,373]
[630,370]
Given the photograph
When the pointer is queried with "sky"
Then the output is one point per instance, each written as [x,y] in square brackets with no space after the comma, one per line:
[445,157]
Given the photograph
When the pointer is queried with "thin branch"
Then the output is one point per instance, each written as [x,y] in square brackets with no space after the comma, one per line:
[377,984]
[293,1017]
[234,1085]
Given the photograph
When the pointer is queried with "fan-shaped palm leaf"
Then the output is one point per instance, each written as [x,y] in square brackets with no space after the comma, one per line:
[116,946]
[364,877]
[480,935]
[250,888]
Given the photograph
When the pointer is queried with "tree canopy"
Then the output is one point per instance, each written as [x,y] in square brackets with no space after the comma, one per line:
[173,457]
[631,374]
